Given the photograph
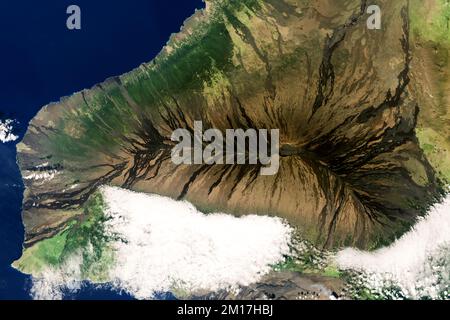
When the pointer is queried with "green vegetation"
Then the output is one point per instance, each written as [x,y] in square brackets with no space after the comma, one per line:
[91,238]
[434,25]
[307,259]
[306,265]
[332,272]
[86,236]
[434,146]
[104,115]
[430,22]
[42,254]
[102,119]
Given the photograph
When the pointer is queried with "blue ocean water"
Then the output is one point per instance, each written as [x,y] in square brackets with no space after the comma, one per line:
[41,61]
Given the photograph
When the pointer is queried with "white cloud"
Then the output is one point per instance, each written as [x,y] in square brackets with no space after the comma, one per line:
[415,262]
[6,131]
[170,245]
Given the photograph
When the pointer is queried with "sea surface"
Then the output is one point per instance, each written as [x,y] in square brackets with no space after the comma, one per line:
[41,61]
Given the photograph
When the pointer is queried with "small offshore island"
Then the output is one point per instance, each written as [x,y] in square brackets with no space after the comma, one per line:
[363,114]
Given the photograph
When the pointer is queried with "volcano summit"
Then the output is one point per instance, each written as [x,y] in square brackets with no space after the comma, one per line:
[363,142]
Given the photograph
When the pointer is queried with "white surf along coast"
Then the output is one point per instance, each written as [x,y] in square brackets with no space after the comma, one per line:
[417,264]
[171,246]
